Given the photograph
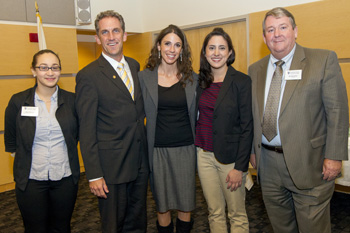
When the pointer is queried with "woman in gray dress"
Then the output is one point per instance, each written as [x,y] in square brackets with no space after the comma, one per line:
[168,87]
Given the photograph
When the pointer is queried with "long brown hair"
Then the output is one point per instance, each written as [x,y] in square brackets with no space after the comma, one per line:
[184,67]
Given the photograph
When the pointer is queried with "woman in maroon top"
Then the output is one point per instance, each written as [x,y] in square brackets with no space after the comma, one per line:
[224,133]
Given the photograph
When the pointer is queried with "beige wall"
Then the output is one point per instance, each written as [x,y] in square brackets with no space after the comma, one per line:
[324,24]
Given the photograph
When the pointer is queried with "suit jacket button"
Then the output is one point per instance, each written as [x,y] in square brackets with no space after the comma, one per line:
[215,116]
[215,132]
[258,145]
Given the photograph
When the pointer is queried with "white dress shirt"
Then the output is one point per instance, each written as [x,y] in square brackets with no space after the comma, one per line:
[276,141]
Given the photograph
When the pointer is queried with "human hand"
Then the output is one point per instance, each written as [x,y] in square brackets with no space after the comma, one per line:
[331,169]
[99,188]
[234,179]
[252,160]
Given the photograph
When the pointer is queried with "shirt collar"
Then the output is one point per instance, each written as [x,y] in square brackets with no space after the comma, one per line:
[113,62]
[53,97]
[286,59]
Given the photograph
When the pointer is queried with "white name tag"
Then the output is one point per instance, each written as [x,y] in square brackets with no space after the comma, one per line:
[30,111]
[293,75]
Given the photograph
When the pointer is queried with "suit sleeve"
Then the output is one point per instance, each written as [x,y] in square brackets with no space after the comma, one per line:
[335,101]
[87,107]
[250,75]
[246,125]
[11,113]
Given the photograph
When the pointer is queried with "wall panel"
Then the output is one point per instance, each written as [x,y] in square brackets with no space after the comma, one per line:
[86,53]
[8,87]
[6,177]
[17,52]
[138,46]
[51,11]
[195,41]
[323,24]
[14,10]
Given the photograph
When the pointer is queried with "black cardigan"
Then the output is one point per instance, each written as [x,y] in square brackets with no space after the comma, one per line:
[20,132]
[233,120]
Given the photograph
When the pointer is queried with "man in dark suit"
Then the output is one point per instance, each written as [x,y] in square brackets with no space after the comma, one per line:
[301,139]
[112,133]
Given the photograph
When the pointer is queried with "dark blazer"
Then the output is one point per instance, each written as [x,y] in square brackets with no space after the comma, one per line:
[20,132]
[112,131]
[233,120]
[149,86]
[314,116]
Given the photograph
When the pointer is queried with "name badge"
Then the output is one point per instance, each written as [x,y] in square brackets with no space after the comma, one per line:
[30,111]
[293,75]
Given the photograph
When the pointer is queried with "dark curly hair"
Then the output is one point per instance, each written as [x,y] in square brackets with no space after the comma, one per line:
[184,67]
[205,76]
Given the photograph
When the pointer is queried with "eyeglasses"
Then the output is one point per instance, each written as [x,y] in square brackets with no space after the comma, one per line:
[46,68]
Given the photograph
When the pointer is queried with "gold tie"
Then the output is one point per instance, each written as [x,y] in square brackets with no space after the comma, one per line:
[126,79]
[269,128]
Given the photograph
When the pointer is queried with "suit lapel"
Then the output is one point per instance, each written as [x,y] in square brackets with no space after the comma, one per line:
[151,83]
[134,73]
[199,92]
[30,127]
[261,83]
[297,64]
[190,90]
[225,86]
[110,73]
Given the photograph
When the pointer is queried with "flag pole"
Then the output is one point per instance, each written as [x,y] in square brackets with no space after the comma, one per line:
[41,36]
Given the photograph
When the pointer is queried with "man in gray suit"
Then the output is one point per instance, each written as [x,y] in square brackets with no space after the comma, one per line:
[301,123]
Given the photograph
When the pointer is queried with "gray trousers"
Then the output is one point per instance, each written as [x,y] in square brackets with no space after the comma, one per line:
[291,209]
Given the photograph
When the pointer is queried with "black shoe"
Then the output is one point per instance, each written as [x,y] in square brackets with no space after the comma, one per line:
[183,227]
[167,229]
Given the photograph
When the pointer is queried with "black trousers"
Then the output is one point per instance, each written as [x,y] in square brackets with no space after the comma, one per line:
[125,210]
[47,206]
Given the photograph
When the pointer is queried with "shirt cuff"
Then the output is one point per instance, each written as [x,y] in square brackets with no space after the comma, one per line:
[95,179]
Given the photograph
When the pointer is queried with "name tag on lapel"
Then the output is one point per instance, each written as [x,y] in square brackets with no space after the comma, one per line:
[30,111]
[293,74]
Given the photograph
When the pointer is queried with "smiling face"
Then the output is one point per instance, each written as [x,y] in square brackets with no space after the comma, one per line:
[217,52]
[46,79]
[279,36]
[170,48]
[111,37]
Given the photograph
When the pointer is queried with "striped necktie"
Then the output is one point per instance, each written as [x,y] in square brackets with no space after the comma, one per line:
[124,76]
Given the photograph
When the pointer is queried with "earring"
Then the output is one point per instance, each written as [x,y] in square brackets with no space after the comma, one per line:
[158,54]
[181,57]
[34,75]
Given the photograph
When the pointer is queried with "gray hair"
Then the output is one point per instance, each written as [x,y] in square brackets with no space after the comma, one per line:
[279,12]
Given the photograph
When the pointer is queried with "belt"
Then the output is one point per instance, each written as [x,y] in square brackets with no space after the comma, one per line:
[277,149]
